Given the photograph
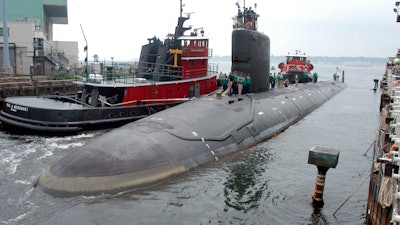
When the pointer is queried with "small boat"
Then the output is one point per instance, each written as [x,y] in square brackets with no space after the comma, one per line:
[298,65]
[169,72]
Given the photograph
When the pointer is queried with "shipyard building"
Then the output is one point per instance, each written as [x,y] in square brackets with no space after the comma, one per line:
[30,37]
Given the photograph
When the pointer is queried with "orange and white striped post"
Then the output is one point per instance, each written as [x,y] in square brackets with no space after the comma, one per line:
[324,159]
[319,186]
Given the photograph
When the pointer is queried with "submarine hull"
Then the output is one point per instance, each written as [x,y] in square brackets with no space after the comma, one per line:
[178,139]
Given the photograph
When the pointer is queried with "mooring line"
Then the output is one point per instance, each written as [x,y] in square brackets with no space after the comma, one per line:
[352,194]
[375,139]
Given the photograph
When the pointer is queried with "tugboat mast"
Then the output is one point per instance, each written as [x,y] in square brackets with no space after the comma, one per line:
[181,9]
[179,30]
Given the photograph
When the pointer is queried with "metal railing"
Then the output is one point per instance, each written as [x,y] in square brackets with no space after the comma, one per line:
[151,72]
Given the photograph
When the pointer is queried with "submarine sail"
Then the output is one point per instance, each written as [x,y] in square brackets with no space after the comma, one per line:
[251,55]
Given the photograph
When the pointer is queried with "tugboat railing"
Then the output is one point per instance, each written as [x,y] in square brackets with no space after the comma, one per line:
[152,72]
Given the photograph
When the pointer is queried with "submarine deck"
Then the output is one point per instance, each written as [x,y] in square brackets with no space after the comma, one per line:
[173,141]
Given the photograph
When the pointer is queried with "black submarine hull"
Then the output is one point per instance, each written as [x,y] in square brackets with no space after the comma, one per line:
[178,139]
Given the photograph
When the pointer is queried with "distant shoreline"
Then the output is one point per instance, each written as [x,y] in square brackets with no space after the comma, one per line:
[327,60]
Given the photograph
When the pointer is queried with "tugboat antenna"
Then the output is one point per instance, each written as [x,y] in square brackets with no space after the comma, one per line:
[87,53]
[181,9]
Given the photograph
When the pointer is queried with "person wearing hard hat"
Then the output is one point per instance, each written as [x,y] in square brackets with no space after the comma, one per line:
[396,67]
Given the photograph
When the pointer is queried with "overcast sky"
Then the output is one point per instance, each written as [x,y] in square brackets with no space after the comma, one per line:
[119,28]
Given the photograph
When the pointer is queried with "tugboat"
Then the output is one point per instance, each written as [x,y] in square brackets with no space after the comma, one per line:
[296,65]
[176,140]
[169,72]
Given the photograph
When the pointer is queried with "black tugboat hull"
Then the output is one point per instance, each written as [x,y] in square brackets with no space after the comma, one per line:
[51,116]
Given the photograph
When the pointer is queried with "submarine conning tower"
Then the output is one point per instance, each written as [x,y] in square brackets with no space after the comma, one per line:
[251,55]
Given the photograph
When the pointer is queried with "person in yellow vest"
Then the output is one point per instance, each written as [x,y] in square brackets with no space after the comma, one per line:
[240,82]
[280,80]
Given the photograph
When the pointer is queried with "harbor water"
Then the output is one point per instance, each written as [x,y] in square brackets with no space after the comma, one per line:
[271,183]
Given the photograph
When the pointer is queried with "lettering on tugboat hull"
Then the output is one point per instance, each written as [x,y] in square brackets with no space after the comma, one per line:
[16,108]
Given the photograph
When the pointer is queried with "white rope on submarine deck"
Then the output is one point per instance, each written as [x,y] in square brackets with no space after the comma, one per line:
[103,100]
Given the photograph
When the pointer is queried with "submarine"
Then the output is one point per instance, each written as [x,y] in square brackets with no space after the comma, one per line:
[176,140]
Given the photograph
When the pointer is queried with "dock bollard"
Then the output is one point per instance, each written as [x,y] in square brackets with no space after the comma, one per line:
[323,158]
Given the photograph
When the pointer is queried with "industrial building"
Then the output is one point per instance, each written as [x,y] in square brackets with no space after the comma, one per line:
[30,37]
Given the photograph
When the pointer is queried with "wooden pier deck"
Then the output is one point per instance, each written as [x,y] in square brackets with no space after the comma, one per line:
[40,85]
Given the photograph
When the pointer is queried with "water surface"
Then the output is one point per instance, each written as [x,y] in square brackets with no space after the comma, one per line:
[268,184]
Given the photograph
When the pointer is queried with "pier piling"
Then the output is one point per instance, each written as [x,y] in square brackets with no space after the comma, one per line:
[376,81]
[323,158]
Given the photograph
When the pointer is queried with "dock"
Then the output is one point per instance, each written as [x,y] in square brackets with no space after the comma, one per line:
[11,86]
[383,195]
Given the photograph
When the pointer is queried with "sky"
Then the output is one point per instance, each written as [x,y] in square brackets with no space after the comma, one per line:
[332,28]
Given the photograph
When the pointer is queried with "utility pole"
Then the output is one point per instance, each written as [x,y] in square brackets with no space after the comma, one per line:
[6,69]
